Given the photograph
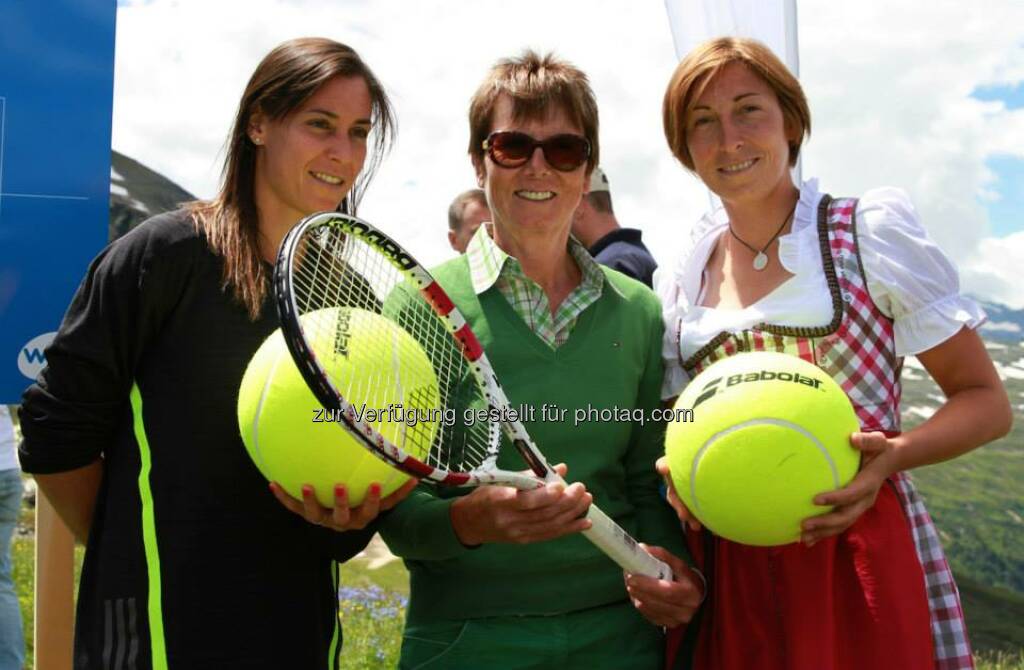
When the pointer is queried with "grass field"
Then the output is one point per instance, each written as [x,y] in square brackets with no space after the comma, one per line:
[373,609]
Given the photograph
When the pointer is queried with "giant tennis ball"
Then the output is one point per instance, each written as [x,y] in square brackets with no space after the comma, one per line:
[375,365]
[768,432]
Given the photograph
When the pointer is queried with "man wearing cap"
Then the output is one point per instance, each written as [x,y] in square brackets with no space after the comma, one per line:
[595,225]
[465,214]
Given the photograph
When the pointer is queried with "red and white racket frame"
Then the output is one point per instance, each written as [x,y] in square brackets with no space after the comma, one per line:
[625,551]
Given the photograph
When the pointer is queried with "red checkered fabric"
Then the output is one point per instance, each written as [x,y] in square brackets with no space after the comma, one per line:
[860,354]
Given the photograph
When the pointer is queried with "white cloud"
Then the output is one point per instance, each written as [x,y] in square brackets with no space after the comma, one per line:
[994,269]
[1008,372]
[888,83]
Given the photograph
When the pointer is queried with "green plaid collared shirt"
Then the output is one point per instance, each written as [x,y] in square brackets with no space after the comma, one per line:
[490,266]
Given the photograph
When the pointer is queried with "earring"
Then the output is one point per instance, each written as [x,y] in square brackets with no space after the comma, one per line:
[256,140]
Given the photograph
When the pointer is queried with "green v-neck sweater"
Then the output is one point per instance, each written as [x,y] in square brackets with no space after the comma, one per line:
[612,362]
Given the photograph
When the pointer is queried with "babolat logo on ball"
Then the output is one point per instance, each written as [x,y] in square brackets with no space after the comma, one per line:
[386,246]
[709,390]
[768,375]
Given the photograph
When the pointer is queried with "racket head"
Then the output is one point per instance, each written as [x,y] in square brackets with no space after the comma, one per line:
[333,271]
[362,318]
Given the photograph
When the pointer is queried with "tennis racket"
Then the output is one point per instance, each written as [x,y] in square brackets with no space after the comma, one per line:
[332,266]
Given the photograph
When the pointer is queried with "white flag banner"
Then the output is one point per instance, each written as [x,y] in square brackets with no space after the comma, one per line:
[770,21]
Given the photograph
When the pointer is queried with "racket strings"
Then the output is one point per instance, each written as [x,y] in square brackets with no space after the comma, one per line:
[386,352]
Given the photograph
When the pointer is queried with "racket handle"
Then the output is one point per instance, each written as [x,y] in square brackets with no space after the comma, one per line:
[612,539]
[620,546]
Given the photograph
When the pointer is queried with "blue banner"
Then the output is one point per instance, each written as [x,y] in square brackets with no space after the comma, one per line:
[56,96]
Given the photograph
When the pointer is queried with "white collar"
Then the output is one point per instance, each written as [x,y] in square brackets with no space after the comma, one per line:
[796,248]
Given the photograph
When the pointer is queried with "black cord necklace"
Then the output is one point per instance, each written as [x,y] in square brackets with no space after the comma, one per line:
[760,257]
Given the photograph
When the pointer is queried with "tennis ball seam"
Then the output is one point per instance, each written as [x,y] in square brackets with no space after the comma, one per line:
[756,422]
[397,370]
[264,392]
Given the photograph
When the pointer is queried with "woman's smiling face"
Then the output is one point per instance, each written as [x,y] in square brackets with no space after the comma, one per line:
[737,136]
[308,160]
[533,196]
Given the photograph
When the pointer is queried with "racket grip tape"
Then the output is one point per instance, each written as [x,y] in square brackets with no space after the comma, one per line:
[620,546]
[612,539]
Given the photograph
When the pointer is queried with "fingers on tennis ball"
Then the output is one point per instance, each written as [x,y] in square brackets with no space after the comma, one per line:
[377,367]
[768,432]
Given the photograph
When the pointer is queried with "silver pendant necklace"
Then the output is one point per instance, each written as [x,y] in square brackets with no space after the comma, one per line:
[760,257]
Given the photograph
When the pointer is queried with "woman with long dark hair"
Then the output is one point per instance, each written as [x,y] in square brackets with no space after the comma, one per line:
[131,431]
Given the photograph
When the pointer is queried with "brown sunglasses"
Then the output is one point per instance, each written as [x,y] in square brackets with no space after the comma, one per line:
[511,149]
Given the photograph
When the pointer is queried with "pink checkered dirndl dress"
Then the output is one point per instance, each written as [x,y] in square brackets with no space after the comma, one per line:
[858,350]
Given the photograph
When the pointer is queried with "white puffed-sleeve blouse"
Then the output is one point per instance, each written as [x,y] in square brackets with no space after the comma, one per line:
[910,279]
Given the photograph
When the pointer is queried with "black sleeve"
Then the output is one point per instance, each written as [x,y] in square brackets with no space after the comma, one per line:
[70,415]
[343,546]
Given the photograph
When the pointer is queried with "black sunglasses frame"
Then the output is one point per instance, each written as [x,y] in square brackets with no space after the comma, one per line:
[545,146]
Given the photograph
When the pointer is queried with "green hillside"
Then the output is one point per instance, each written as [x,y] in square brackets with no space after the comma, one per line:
[995,617]
[977,500]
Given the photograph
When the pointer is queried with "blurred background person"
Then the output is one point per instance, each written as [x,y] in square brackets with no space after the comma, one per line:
[465,214]
[595,225]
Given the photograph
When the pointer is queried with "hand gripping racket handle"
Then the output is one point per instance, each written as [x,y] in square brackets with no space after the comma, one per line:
[622,548]
[612,539]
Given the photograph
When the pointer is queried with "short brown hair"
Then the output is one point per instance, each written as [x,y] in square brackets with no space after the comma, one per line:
[535,83]
[699,67]
[461,202]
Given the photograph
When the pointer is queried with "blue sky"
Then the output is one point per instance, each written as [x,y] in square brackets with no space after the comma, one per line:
[1006,214]
[1012,96]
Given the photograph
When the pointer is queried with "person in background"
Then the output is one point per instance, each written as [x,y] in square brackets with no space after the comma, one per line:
[131,429]
[12,638]
[465,214]
[595,225]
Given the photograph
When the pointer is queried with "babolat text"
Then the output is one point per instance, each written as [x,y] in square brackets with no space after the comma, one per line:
[767,375]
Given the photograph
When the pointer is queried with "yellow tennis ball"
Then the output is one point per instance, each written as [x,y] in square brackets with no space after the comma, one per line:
[768,432]
[375,365]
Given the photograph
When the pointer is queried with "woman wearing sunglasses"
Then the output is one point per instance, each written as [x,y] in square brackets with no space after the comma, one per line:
[851,285]
[502,578]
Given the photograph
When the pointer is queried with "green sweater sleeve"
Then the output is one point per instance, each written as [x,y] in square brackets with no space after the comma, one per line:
[657,523]
[420,527]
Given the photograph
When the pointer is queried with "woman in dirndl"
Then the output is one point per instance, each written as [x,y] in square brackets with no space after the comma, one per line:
[852,285]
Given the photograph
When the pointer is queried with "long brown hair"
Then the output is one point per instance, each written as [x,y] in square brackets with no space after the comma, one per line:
[286,78]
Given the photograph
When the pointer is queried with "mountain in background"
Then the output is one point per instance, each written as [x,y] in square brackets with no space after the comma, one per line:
[976,499]
[1004,323]
[137,193]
